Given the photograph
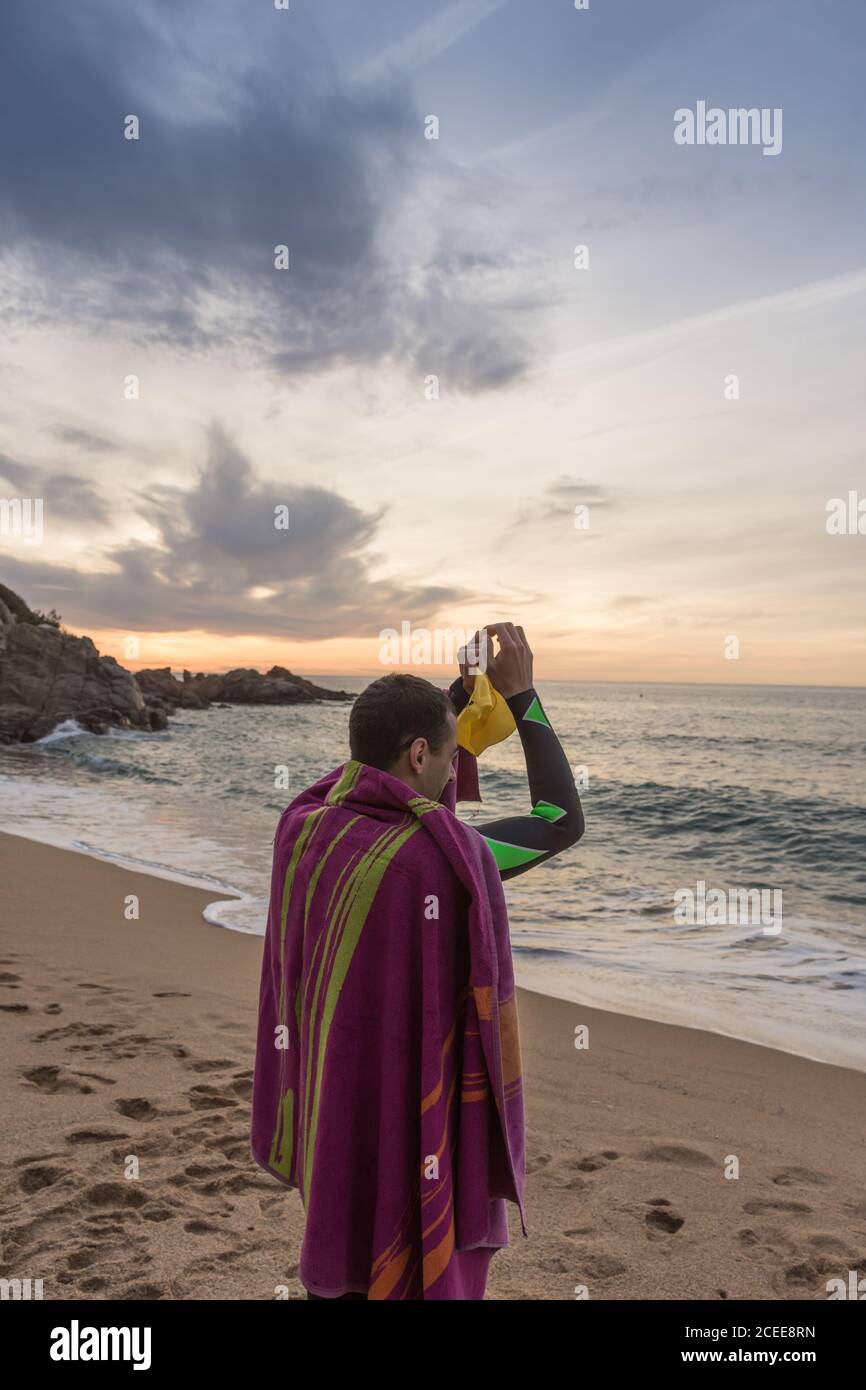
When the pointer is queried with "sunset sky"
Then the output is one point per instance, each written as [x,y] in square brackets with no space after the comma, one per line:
[450,258]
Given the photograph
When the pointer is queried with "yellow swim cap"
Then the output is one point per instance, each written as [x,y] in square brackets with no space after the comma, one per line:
[485,720]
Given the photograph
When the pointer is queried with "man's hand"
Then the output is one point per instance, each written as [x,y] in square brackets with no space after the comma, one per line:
[510,670]
[470,658]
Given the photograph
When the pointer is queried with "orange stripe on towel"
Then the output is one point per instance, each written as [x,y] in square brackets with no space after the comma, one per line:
[437,1260]
[387,1280]
[483,1001]
[509,1036]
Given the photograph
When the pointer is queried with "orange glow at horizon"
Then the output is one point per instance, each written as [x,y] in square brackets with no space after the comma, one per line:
[611,658]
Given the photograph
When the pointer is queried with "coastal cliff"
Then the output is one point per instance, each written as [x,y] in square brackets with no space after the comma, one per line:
[48,676]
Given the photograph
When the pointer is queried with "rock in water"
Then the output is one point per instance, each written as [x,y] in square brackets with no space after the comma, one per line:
[48,676]
[242,686]
[160,686]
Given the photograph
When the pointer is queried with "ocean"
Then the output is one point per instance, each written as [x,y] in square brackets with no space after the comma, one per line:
[731,788]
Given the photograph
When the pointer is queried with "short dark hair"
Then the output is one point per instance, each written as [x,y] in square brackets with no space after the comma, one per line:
[391,713]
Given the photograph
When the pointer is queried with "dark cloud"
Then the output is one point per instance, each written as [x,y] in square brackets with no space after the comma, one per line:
[249,138]
[15,473]
[66,496]
[217,541]
[564,494]
[558,500]
[82,439]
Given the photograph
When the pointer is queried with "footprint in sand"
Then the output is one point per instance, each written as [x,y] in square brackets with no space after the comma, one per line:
[808,1276]
[115,1194]
[72,1032]
[574,1185]
[104,1226]
[151,1047]
[103,1039]
[54,1079]
[830,1244]
[663,1221]
[205,1170]
[198,1227]
[592,1162]
[83,1257]
[209,1180]
[790,1177]
[159,1214]
[35,1158]
[209,1098]
[94,1136]
[757,1206]
[231,1146]
[10,980]
[538,1162]
[212,1264]
[766,1241]
[677,1154]
[15,1008]
[38,1177]
[598,1265]
[196,1133]
[136,1108]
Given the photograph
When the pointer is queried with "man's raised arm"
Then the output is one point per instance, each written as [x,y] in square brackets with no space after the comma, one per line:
[555,821]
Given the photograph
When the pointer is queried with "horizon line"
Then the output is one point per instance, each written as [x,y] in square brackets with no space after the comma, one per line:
[566,680]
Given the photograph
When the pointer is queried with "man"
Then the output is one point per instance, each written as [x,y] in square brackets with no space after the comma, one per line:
[388,1082]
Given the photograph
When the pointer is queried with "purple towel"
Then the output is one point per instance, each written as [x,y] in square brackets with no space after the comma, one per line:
[388,1084]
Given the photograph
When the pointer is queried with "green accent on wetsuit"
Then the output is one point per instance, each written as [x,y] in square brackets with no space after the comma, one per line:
[512,856]
[535,714]
[548,811]
[555,822]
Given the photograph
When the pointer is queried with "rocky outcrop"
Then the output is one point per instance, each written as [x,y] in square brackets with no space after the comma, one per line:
[48,676]
[160,687]
[242,686]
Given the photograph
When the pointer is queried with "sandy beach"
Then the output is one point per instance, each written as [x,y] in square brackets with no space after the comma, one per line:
[131,1042]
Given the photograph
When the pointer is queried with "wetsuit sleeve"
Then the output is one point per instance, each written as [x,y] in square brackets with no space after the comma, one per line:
[458,695]
[555,821]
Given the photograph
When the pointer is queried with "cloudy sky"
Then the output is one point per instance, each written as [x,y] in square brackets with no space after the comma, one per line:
[434,385]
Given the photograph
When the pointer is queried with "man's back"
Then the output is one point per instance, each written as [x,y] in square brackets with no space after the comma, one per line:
[365,1110]
[388,1084]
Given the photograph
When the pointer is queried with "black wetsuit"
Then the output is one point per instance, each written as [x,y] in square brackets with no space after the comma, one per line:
[556,819]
